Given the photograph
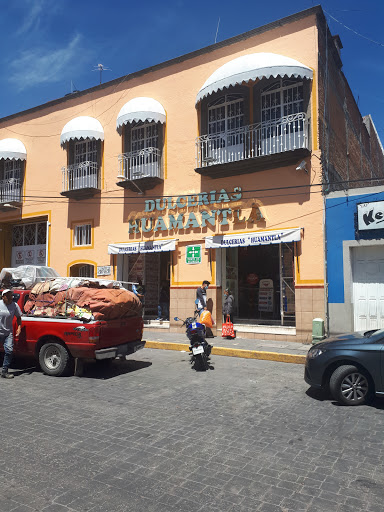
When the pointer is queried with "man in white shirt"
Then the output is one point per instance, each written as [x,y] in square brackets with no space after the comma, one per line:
[8,310]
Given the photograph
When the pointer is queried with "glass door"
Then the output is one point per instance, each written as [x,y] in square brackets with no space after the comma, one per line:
[282,125]
[225,129]
[231,279]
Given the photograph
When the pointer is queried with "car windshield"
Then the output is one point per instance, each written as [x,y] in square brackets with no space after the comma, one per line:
[368,334]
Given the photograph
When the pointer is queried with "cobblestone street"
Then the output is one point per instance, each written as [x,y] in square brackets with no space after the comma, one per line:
[151,434]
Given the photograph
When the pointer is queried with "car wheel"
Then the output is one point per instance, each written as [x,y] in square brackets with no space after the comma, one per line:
[350,386]
[54,359]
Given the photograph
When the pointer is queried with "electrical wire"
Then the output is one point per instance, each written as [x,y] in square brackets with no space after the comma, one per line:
[154,197]
[354,31]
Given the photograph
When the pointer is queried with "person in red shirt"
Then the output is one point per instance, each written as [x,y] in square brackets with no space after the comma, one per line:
[8,310]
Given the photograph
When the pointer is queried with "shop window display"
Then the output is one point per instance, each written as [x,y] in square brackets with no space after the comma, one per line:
[261,279]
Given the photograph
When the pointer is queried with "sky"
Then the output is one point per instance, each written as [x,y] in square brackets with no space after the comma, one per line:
[51,47]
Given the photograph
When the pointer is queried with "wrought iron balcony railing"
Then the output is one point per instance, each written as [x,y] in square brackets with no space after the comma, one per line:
[10,191]
[145,163]
[285,134]
[84,175]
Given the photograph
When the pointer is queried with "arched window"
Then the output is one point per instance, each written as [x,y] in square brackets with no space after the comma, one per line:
[141,121]
[82,270]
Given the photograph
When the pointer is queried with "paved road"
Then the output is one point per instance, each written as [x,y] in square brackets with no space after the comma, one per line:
[152,435]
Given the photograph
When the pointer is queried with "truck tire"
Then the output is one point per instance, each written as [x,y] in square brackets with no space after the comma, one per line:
[55,360]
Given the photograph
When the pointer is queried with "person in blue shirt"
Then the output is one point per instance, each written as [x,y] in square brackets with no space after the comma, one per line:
[201,296]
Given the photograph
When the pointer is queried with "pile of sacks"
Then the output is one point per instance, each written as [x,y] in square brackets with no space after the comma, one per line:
[55,299]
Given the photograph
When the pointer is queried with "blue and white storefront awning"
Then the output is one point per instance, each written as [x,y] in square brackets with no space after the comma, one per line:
[255,238]
[147,246]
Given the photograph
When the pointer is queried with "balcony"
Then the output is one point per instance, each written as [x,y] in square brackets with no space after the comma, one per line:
[10,192]
[252,148]
[140,170]
[81,181]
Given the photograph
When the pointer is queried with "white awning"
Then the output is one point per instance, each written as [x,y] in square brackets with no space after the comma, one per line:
[251,67]
[149,246]
[82,127]
[141,109]
[256,238]
[12,149]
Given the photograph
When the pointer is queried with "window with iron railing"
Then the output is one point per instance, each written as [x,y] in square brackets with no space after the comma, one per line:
[82,171]
[86,271]
[29,234]
[82,235]
[280,109]
[11,174]
[143,158]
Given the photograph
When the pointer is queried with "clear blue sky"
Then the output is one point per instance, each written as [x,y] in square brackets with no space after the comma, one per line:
[46,44]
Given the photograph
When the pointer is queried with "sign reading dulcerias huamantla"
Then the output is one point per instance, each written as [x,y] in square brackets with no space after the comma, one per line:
[171,218]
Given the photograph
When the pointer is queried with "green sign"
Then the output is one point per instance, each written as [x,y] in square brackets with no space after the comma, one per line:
[193,254]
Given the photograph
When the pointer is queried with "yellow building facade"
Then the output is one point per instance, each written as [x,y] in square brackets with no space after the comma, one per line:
[203,167]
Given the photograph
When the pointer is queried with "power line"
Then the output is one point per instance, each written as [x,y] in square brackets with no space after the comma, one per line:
[135,200]
[354,31]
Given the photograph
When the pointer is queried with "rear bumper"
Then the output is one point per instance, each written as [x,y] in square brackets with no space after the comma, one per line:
[120,350]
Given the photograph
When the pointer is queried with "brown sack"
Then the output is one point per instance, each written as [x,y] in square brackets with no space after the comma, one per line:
[105,304]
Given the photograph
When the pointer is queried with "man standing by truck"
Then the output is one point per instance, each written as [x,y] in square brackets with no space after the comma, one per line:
[8,310]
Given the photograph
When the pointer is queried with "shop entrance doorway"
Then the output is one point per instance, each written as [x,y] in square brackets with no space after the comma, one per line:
[153,269]
[261,279]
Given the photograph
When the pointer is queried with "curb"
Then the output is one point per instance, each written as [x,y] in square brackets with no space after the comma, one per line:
[232,352]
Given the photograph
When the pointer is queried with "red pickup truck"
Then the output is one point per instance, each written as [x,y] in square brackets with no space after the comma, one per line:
[57,342]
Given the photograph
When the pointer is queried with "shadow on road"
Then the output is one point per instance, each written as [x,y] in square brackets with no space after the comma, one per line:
[323,395]
[110,368]
[102,370]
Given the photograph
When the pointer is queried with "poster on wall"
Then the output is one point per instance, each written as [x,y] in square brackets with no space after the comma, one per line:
[266,295]
[28,255]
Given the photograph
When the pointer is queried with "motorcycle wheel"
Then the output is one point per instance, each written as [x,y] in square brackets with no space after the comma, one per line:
[201,362]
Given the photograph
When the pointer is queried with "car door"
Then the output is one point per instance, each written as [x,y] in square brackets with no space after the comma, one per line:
[372,358]
[380,386]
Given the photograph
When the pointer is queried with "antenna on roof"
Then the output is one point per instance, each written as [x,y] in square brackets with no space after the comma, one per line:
[217,30]
[73,88]
[101,68]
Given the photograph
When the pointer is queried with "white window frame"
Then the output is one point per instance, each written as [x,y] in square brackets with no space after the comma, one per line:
[82,235]
[85,151]
[226,102]
[279,88]
[144,139]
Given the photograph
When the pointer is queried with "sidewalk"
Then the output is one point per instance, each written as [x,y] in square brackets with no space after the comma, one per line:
[282,351]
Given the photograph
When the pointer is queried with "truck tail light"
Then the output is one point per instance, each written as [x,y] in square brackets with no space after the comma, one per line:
[94,334]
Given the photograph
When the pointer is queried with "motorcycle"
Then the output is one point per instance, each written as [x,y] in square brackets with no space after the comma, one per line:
[199,348]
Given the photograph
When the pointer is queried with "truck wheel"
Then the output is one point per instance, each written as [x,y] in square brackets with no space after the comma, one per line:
[54,359]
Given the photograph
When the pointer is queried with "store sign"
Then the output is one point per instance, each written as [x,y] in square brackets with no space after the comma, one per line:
[370,215]
[193,254]
[256,238]
[175,215]
[138,247]
[106,270]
